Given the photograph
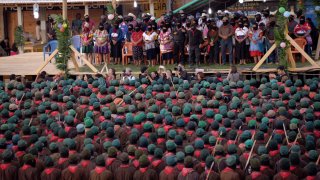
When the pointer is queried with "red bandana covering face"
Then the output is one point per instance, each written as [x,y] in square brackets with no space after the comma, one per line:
[4,166]
[25,167]
[143,170]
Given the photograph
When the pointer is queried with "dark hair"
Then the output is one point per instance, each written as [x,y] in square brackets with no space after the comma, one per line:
[281,68]
[233,69]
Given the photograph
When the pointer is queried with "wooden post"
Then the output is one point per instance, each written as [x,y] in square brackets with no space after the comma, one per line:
[151,7]
[318,49]
[1,23]
[264,58]
[47,61]
[19,15]
[43,27]
[86,9]
[64,9]
[168,6]
[114,5]
[303,53]
[77,54]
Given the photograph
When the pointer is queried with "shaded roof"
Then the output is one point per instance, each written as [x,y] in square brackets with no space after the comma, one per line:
[55,1]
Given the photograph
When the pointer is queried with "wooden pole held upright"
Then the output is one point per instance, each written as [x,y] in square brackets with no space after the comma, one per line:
[64,9]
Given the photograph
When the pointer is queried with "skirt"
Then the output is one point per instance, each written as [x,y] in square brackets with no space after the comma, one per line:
[116,50]
[167,56]
[87,49]
[137,53]
[101,49]
[151,54]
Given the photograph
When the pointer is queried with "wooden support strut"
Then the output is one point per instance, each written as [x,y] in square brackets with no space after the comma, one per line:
[77,54]
[47,61]
[303,53]
[318,49]
[264,58]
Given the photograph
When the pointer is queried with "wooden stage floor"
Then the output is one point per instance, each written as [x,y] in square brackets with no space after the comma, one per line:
[26,64]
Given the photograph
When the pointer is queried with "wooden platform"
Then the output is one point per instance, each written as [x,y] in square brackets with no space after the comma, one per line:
[27,64]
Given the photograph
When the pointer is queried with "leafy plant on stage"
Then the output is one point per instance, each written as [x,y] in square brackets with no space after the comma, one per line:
[280,35]
[19,37]
[62,29]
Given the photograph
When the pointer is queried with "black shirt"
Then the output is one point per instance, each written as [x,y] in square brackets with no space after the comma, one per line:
[194,37]
[179,35]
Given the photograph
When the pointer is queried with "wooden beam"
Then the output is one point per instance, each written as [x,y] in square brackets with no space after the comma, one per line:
[64,9]
[77,54]
[303,53]
[264,58]
[75,63]
[291,59]
[318,49]
[19,16]
[86,9]
[151,7]
[1,24]
[47,61]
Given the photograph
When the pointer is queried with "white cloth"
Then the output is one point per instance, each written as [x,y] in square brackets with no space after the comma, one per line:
[151,38]
[241,31]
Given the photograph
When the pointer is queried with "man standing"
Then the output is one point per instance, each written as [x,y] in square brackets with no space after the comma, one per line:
[195,40]
[179,38]
[77,23]
[225,33]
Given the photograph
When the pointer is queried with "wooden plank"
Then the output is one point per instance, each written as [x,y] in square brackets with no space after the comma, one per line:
[291,59]
[264,58]
[77,54]
[64,9]
[75,63]
[47,61]
[318,49]
[303,53]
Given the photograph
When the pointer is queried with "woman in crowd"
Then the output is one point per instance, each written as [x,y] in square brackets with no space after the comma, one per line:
[166,45]
[87,41]
[117,37]
[233,75]
[241,34]
[149,37]
[255,36]
[101,47]
[137,45]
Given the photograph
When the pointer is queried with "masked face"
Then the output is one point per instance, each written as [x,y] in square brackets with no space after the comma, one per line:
[255,27]
[130,28]
[290,18]
[137,29]
[232,23]
[101,28]
[272,23]
[302,21]
[86,19]
[225,23]
[149,28]
[188,25]
[258,18]
[154,28]
[164,30]
[116,26]
[179,25]
[241,25]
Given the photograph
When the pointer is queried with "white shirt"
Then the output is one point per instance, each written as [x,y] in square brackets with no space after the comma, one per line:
[151,37]
[241,31]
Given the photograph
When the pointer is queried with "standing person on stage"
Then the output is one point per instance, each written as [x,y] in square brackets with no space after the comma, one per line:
[255,36]
[179,38]
[195,40]
[270,39]
[213,37]
[89,21]
[137,45]
[303,30]
[102,44]
[77,24]
[226,32]
[87,41]
[51,33]
[149,38]
[166,45]
[117,37]
[241,35]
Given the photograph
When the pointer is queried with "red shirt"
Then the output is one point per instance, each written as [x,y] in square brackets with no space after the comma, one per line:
[136,36]
[302,29]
